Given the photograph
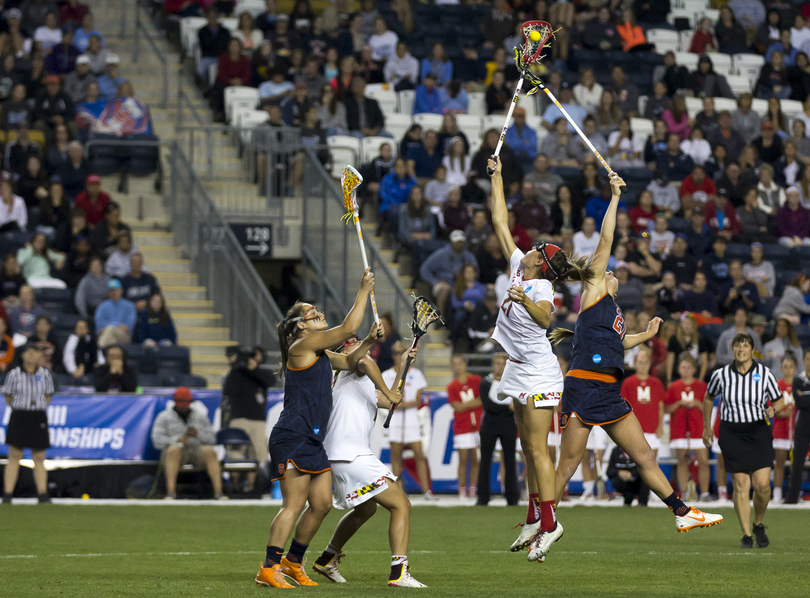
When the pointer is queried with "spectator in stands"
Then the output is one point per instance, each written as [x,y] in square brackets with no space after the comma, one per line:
[703,39]
[427,96]
[416,228]
[759,271]
[545,182]
[13,213]
[722,218]
[585,240]
[395,188]
[363,114]
[696,147]
[80,354]
[37,261]
[768,145]
[477,231]
[332,112]
[54,107]
[699,236]
[799,137]
[115,317]
[672,74]
[715,264]
[118,262]
[75,171]
[677,118]
[793,221]
[784,46]
[11,281]
[497,25]
[96,55]
[753,221]
[785,343]
[625,94]
[625,146]
[643,214]
[470,69]
[577,150]
[248,35]
[45,339]
[233,69]
[443,266]
[497,95]
[468,295]
[62,58]
[707,119]
[649,306]
[155,326]
[700,301]
[512,170]
[276,89]
[425,159]
[737,292]
[456,163]
[601,33]
[454,98]
[597,206]
[661,239]
[437,63]
[72,12]
[731,37]
[658,102]
[312,78]
[773,78]
[552,113]
[295,106]
[728,137]
[94,201]
[532,215]
[792,305]
[92,289]
[16,110]
[799,77]
[115,375]
[656,143]
[401,70]
[643,264]
[696,189]
[744,120]
[732,185]
[680,263]
[705,82]
[383,42]
[687,338]
[23,316]
[723,352]
[32,185]
[77,263]
[139,285]
[628,295]
[566,217]
[676,164]
[769,196]
[212,41]
[68,231]
[522,139]
[19,150]
[788,170]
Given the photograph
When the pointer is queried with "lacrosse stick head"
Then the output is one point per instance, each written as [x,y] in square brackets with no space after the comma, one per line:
[349,181]
[536,36]
[424,314]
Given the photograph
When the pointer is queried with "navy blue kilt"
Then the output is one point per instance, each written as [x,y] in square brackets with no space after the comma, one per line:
[593,402]
[301,452]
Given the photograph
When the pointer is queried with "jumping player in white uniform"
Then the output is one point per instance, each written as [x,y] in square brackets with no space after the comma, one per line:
[360,479]
[532,377]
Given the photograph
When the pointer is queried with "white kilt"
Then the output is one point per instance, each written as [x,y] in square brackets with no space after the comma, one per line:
[597,439]
[354,482]
[692,444]
[405,428]
[522,381]
[782,444]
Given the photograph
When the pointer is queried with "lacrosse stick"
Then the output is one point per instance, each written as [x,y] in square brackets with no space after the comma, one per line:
[350,180]
[424,314]
[536,35]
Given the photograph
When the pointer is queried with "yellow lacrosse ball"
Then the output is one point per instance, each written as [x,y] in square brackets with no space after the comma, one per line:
[534,36]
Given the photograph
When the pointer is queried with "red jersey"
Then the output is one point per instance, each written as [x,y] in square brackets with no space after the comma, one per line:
[783,426]
[644,397]
[686,423]
[468,421]
[95,211]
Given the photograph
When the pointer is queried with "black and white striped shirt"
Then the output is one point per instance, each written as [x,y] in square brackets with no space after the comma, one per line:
[28,392]
[745,396]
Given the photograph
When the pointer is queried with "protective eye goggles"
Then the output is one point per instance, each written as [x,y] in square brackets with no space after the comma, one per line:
[318,314]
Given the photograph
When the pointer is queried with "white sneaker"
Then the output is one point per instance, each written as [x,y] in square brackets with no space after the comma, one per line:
[705,497]
[170,496]
[777,495]
[696,518]
[330,569]
[543,541]
[527,533]
[462,492]
[587,497]
[406,580]
[430,496]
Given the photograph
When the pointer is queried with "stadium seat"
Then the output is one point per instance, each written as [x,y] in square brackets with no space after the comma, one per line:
[693,106]
[247,96]
[475,144]
[685,39]
[759,106]
[150,381]
[529,104]
[55,300]
[398,124]
[687,59]
[386,98]
[62,321]
[236,439]
[681,13]
[721,63]
[791,108]
[493,121]
[713,14]
[767,305]
[251,120]
[428,121]
[800,256]
[470,125]
[738,251]
[721,104]
[679,225]
[784,277]
[712,332]
[739,84]
[405,101]
[778,255]
[642,126]
[803,332]
[189,27]
[174,358]
[345,149]
[663,39]
[135,358]
[174,379]
[370,147]
[62,380]
[477,103]
[746,61]
[254,7]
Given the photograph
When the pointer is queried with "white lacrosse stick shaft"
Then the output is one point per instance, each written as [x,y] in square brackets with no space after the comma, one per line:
[509,112]
[363,254]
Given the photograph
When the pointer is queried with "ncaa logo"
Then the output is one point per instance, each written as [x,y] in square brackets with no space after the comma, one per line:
[757,377]
[317,429]
[597,358]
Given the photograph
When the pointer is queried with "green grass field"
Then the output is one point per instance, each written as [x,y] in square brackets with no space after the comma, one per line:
[177,551]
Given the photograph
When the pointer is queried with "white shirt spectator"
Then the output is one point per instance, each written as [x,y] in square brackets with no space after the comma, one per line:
[437,191]
[588,99]
[585,245]
[661,243]
[16,211]
[268,89]
[750,13]
[383,46]
[697,149]
[666,197]
[118,263]
[763,273]
[396,69]
[457,170]
[762,190]
[250,43]
[799,37]
[628,148]
[48,38]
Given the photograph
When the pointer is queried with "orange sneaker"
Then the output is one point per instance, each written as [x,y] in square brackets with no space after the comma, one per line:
[296,572]
[271,577]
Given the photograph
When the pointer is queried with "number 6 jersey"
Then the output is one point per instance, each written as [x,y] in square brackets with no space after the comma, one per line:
[520,336]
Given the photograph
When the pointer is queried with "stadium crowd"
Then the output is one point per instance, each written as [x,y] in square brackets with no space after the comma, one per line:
[71,281]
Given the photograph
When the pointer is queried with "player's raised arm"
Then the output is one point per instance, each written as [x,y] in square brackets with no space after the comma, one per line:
[602,254]
[500,215]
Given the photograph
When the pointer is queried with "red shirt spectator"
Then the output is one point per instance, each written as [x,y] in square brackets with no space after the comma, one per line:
[646,397]
[722,218]
[702,40]
[462,393]
[233,69]
[690,187]
[640,219]
[521,238]
[94,201]
[73,11]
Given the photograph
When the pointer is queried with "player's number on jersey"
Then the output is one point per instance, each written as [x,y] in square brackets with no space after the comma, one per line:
[618,323]
[506,306]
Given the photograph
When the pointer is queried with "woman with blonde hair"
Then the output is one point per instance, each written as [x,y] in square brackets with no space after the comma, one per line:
[688,339]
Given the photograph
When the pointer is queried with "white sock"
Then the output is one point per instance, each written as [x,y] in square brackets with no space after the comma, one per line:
[777,494]
[398,559]
[331,549]
[587,487]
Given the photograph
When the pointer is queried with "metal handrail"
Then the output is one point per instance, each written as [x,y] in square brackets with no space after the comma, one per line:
[140,28]
[183,100]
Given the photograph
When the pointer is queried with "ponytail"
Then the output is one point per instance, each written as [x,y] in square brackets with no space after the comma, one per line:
[287,332]
[558,335]
[577,269]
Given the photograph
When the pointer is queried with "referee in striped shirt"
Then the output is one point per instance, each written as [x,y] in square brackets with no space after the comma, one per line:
[28,391]
[745,431]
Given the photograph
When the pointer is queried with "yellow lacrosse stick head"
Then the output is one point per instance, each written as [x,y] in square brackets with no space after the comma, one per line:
[349,181]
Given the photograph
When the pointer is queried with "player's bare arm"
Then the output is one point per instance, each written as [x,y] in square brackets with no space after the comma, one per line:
[540,312]
[633,340]
[593,291]
[500,216]
[708,404]
[350,361]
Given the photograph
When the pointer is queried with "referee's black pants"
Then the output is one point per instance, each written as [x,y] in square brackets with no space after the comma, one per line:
[801,444]
[490,434]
